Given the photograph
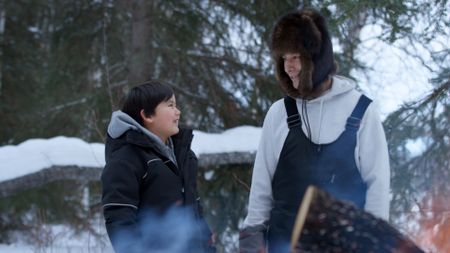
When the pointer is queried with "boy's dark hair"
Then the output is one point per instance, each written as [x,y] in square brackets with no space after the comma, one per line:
[147,96]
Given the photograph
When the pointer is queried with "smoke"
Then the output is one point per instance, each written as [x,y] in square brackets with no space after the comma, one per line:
[279,245]
[176,230]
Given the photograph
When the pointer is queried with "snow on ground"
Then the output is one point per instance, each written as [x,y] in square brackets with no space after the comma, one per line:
[59,239]
[239,139]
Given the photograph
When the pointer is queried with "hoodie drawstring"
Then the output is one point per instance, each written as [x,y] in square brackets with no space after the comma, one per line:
[320,123]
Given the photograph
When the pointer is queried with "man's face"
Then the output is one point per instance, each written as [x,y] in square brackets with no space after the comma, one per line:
[292,66]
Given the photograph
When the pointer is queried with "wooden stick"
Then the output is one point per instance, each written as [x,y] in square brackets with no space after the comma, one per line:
[325,224]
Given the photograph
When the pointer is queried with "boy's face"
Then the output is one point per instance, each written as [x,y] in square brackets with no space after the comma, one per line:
[292,67]
[164,122]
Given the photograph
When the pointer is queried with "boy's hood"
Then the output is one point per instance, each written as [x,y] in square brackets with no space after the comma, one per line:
[122,122]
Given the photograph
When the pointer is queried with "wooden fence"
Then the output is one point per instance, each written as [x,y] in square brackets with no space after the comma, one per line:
[87,174]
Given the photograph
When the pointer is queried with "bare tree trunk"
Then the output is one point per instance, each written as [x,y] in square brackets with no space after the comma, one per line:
[104,55]
[140,60]
[2,31]
[354,27]
[351,40]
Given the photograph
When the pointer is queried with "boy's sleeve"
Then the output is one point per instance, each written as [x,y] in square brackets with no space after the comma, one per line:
[120,200]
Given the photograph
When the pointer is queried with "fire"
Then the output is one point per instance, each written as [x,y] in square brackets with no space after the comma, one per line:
[433,232]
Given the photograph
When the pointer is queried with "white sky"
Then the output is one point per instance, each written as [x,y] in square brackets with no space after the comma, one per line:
[395,77]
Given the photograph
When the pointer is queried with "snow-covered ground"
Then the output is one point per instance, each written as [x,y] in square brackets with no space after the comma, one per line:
[62,239]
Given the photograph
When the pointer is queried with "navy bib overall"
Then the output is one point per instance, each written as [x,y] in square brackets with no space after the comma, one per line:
[331,167]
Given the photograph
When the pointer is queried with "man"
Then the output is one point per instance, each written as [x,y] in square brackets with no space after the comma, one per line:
[322,133]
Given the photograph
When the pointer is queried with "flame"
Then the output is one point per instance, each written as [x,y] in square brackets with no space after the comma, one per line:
[433,232]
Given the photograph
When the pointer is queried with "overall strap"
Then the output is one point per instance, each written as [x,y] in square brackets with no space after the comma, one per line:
[293,118]
[355,118]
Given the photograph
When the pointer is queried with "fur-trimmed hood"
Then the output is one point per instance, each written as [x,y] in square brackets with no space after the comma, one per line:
[304,32]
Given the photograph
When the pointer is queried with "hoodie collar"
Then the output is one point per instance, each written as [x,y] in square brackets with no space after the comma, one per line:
[339,86]
[122,122]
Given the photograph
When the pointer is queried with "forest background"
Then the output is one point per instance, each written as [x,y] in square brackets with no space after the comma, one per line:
[64,66]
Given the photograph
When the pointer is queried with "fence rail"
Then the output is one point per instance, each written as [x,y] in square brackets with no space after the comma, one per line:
[87,174]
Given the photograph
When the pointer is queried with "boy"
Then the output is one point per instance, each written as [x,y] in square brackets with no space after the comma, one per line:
[150,172]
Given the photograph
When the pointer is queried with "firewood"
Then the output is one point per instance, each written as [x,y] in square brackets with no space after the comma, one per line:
[326,224]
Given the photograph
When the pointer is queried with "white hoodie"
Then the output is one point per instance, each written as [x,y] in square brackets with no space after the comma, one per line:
[327,118]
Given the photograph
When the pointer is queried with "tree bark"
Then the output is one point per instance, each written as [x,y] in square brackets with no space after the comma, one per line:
[2,31]
[140,58]
[325,224]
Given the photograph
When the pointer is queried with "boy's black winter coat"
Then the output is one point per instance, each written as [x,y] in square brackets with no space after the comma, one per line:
[137,178]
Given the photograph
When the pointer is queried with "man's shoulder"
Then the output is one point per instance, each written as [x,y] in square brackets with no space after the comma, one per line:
[277,109]
[277,104]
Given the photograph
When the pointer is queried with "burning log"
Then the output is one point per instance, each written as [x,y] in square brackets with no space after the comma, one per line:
[325,224]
